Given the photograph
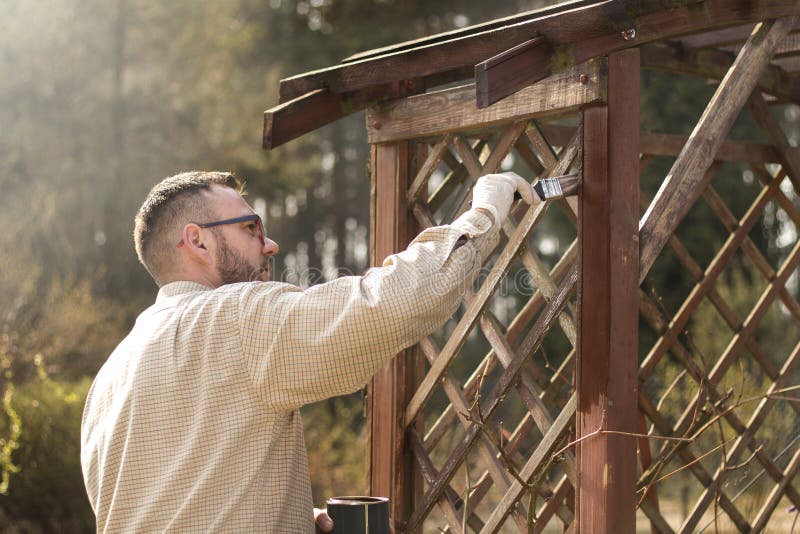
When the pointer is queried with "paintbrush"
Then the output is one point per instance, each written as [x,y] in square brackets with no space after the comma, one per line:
[551,188]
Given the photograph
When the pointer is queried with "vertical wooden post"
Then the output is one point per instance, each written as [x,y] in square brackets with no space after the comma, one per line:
[390,471]
[608,309]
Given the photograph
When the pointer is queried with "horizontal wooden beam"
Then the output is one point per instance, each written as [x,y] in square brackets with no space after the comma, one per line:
[790,64]
[508,72]
[716,38]
[662,144]
[454,110]
[789,47]
[306,113]
[658,144]
[577,34]
[712,63]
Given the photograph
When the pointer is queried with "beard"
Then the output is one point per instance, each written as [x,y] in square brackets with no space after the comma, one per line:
[234,268]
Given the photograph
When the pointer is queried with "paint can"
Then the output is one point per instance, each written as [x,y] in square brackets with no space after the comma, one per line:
[359,515]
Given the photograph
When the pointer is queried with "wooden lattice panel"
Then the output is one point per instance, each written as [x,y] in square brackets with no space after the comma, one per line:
[496,401]
[721,348]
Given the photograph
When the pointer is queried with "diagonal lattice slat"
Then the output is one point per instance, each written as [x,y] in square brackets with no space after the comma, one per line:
[500,460]
[723,431]
[718,416]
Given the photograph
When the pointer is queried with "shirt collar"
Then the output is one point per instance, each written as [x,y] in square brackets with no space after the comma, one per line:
[179,288]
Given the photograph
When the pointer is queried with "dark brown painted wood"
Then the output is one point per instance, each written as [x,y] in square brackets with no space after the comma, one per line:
[511,70]
[389,476]
[417,62]
[576,34]
[462,32]
[313,110]
[608,309]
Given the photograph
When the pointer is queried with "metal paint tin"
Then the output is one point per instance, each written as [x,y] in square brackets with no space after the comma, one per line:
[359,514]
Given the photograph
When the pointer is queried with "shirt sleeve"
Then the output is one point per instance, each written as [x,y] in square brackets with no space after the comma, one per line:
[301,346]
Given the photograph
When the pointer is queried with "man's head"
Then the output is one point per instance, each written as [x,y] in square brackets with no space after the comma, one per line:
[175,241]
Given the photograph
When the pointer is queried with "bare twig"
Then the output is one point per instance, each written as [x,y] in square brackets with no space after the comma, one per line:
[686,466]
[600,431]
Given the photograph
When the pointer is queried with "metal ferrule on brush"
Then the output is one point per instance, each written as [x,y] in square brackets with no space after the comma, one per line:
[557,187]
[550,188]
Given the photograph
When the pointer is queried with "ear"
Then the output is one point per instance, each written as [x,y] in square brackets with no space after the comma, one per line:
[195,243]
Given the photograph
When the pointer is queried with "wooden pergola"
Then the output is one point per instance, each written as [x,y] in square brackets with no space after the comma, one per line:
[546,405]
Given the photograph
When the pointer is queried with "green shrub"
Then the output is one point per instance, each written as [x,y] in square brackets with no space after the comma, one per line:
[45,487]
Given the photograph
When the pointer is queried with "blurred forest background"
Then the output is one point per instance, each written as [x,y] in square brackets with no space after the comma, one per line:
[99,100]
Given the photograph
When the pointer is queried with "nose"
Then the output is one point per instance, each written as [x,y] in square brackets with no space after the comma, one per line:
[270,247]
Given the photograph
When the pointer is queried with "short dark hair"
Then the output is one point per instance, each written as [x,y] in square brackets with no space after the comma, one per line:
[172,203]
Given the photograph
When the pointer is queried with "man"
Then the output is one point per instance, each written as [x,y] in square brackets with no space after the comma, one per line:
[193,423]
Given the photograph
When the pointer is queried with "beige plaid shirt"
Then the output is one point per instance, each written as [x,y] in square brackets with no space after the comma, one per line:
[193,424]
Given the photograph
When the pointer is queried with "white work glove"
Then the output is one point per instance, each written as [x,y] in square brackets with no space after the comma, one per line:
[495,193]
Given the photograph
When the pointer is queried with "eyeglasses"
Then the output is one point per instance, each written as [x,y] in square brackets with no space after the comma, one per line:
[259,226]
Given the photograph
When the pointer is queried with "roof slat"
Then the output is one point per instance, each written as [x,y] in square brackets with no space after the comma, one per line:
[577,31]
[585,31]
[432,59]
[461,32]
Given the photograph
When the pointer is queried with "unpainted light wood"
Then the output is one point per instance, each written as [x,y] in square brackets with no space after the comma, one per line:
[775,495]
[419,185]
[745,440]
[501,266]
[456,397]
[696,272]
[491,402]
[714,269]
[689,459]
[651,312]
[750,248]
[458,336]
[501,149]
[458,173]
[448,502]
[543,148]
[452,110]
[540,455]
[682,185]
[515,330]
[663,144]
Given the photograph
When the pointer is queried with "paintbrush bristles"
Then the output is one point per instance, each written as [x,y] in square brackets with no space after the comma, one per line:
[557,187]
